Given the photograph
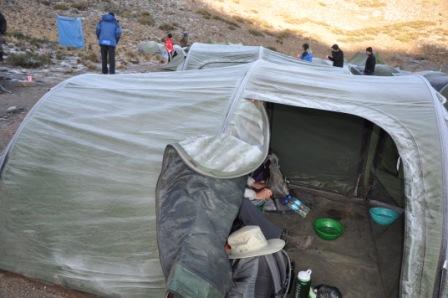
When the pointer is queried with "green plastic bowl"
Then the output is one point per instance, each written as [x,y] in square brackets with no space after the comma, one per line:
[328,228]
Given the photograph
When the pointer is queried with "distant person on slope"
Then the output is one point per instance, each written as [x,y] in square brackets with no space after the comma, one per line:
[369,69]
[306,55]
[169,46]
[337,56]
[108,32]
[2,34]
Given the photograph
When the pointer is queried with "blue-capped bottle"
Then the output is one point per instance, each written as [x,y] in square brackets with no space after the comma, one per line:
[296,205]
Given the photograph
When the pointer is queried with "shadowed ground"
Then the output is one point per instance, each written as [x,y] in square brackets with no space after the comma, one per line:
[364,262]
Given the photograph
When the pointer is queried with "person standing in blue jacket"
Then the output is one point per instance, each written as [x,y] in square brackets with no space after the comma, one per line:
[306,55]
[108,32]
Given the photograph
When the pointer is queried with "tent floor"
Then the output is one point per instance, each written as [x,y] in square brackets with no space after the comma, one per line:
[355,262]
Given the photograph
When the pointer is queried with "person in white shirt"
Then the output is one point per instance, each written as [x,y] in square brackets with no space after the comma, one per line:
[256,194]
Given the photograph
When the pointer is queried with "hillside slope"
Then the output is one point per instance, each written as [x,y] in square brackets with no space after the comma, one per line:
[415,28]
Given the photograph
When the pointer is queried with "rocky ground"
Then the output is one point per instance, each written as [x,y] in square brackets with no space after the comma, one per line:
[16,286]
[400,30]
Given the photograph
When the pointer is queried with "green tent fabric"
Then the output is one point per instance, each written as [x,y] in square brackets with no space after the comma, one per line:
[319,172]
[78,184]
[382,70]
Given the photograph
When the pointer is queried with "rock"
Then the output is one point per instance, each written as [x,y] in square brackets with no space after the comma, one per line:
[25,83]
[14,110]
[11,109]
[71,59]
[65,64]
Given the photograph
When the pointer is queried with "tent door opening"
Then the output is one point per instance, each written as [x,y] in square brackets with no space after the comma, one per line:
[341,166]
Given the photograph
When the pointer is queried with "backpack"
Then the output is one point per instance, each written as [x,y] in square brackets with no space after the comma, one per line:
[263,276]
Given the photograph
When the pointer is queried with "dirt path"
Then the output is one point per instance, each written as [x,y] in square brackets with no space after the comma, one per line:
[23,99]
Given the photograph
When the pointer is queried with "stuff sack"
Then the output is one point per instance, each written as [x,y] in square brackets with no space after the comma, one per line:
[276,180]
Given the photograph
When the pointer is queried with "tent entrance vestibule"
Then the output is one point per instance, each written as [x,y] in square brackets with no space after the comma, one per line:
[340,166]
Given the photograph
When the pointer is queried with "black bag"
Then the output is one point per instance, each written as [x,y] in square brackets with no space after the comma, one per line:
[324,291]
[263,276]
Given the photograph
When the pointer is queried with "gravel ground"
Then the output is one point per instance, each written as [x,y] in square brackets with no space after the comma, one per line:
[16,286]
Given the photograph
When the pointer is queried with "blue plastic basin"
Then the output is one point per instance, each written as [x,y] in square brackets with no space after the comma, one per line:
[383,216]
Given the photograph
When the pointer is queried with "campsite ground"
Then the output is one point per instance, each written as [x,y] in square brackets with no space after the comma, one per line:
[13,285]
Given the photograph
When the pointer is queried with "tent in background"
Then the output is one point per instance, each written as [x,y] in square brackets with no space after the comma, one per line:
[154,49]
[201,56]
[382,70]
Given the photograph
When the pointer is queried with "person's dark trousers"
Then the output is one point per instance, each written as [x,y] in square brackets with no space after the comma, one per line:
[2,41]
[108,57]
[249,215]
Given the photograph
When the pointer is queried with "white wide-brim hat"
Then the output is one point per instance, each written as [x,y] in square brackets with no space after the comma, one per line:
[249,242]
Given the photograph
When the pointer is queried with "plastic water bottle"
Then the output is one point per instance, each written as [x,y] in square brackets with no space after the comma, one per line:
[303,284]
[296,205]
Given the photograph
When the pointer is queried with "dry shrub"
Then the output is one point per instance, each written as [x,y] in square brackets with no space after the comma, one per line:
[90,56]
[284,34]
[61,6]
[33,41]
[127,13]
[82,5]
[255,32]
[146,19]
[205,14]
[167,27]
[29,60]
[228,22]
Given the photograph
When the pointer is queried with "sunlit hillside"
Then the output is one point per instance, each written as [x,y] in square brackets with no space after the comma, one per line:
[414,29]
[406,26]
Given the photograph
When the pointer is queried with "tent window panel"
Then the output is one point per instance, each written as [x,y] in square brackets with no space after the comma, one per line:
[387,172]
[387,155]
[318,149]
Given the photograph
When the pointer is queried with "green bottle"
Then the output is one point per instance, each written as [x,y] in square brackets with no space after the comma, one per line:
[303,284]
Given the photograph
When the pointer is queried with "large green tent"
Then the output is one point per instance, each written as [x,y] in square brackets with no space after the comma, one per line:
[127,185]
[202,55]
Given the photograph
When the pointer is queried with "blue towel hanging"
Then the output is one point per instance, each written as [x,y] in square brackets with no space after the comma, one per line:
[70,32]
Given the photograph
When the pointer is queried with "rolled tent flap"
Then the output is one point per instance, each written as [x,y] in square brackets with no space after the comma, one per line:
[223,155]
[196,207]
[237,151]
[194,218]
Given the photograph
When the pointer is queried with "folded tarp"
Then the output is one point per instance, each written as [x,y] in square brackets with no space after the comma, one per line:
[70,32]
